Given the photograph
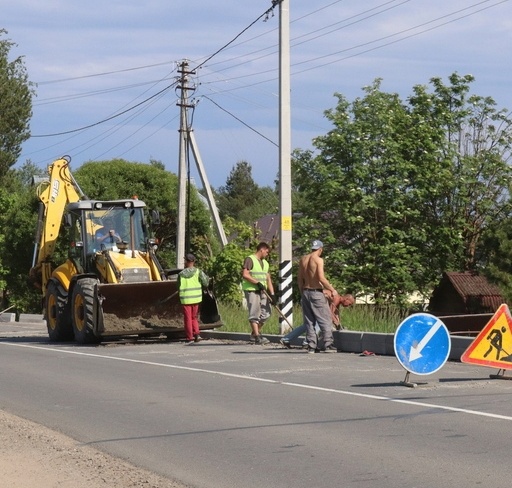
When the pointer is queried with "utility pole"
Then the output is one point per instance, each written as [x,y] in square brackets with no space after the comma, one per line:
[182,168]
[285,180]
[187,140]
[206,185]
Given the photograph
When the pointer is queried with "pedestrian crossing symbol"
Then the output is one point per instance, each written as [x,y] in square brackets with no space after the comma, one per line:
[493,345]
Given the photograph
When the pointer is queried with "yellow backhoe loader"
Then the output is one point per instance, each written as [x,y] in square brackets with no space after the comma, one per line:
[111,283]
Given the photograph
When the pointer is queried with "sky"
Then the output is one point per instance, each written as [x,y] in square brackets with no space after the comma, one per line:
[105,73]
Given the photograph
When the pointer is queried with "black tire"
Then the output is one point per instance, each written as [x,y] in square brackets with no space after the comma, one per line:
[82,311]
[56,313]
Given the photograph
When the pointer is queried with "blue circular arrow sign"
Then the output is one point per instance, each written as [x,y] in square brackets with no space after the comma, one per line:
[422,343]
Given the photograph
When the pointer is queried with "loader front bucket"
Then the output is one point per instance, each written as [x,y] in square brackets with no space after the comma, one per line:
[209,312]
[147,308]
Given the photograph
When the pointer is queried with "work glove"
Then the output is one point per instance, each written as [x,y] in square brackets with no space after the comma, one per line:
[260,286]
[272,299]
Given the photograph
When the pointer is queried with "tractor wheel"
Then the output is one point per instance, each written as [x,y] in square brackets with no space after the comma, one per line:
[82,307]
[56,313]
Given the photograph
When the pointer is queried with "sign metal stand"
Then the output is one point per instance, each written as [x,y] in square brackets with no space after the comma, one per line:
[500,375]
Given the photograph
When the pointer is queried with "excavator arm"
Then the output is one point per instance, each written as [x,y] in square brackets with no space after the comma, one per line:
[54,194]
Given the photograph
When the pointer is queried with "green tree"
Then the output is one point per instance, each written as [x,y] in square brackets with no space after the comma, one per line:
[18,222]
[15,112]
[498,244]
[226,267]
[242,199]
[401,191]
[358,198]
[15,105]
[467,193]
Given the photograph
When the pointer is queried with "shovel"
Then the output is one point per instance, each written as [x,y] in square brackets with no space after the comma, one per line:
[3,311]
[278,310]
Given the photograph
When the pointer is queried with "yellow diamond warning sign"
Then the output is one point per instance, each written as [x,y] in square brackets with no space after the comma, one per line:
[493,345]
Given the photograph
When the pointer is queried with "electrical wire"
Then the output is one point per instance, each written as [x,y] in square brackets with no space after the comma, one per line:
[133,133]
[128,149]
[67,98]
[241,121]
[105,73]
[363,44]
[307,38]
[113,130]
[104,135]
[230,43]
[263,15]
[368,50]
[266,13]
[108,118]
[398,33]
[293,45]
[292,41]
[274,3]
[362,17]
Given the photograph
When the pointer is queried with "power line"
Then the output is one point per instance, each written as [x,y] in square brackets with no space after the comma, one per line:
[113,130]
[266,13]
[263,15]
[400,32]
[108,118]
[150,135]
[260,50]
[371,13]
[241,121]
[252,74]
[109,131]
[262,73]
[125,70]
[274,50]
[67,98]
[130,136]
[372,49]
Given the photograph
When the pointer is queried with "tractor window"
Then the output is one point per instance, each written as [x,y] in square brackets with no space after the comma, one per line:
[76,244]
[106,227]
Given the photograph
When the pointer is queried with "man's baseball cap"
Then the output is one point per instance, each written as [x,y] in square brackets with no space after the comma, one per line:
[316,245]
[190,257]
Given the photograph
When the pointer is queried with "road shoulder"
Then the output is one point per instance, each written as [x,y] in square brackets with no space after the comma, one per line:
[32,455]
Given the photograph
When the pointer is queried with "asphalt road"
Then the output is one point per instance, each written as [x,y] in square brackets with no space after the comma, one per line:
[219,414]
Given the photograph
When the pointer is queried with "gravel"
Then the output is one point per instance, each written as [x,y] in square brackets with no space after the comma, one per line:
[34,456]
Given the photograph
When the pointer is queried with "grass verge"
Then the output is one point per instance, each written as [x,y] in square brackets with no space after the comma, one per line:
[365,318]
